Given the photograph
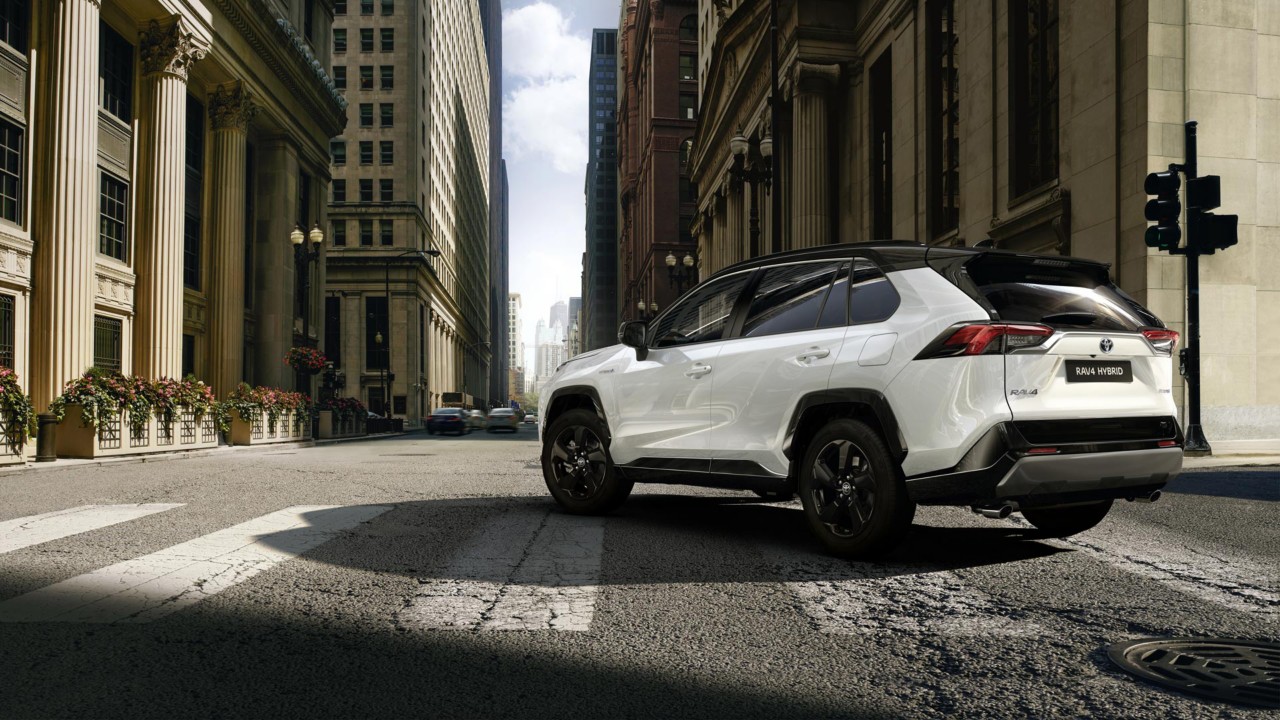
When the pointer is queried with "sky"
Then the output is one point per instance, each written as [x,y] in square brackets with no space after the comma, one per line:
[546,48]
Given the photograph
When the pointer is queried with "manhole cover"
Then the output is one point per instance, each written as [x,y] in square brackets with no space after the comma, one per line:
[1238,671]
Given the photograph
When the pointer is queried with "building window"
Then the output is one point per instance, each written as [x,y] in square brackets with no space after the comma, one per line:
[881,148]
[333,330]
[340,233]
[375,327]
[339,7]
[339,191]
[193,214]
[308,19]
[14,23]
[388,77]
[366,39]
[338,152]
[366,190]
[942,105]
[112,209]
[1033,63]
[689,106]
[385,186]
[340,76]
[366,77]
[366,7]
[386,235]
[366,152]
[386,152]
[388,111]
[10,172]
[339,40]
[188,354]
[388,7]
[366,233]
[689,27]
[366,115]
[108,334]
[688,66]
[6,331]
[388,39]
[115,73]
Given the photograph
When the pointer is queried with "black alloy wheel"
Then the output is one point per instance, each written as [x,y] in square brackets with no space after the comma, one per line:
[853,496]
[577,468]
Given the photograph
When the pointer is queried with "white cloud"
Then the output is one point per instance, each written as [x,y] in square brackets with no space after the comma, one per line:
[546,66]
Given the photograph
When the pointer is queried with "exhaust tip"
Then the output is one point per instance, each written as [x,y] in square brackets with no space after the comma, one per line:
[999,513]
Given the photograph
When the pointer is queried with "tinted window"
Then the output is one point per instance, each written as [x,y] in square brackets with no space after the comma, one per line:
[701,316]
[789,298]
[1056,293]
[871,297]
[448,411]
[835,309]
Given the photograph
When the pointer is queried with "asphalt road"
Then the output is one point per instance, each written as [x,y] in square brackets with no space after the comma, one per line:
[433,577]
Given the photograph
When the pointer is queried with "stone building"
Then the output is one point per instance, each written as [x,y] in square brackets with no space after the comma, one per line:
[657,113]
[499,238]
[409,209]
[600,262]
[154,167]
[1029,122]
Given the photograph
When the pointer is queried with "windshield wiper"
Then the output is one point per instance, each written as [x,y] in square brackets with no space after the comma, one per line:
[1071,318]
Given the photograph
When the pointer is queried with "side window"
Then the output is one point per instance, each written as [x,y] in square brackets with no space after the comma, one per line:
[702,316]
[871,295]
[835,311]
[789,298]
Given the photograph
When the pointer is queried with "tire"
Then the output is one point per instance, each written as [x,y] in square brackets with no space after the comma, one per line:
[853,494]
[1066,521]
[577,467]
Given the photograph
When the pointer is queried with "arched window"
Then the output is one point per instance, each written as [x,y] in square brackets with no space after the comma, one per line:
[689,27]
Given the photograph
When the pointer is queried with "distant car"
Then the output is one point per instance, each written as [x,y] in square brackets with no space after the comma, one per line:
[502,419]
[373,415]
[476,420]
[446,420]
[531,419]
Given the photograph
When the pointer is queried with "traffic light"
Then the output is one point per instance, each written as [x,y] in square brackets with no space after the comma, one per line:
[1208,232]
[1163,210]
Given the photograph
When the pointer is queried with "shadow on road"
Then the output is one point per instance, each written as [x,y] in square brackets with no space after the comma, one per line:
[1239,483]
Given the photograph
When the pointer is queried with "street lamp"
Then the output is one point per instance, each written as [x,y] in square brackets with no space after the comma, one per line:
[386,361]
[387,374]
[304,254]
[681,272]
[755,169]
[647,311]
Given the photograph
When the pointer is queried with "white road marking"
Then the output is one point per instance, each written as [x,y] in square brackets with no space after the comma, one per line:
[36,529]
[164,582]
[523,571]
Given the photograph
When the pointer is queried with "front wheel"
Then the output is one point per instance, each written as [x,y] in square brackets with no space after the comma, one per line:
[577,468]
[1066,521]
[854,498]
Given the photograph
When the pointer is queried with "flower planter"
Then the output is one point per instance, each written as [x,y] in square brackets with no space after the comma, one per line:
[332,428]
[9,453]
[116,437]
[257,429]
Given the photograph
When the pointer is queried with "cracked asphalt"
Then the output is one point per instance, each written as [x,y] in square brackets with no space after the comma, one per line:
[456,589]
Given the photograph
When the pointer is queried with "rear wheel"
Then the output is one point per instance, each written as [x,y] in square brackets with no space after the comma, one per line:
[1065,521]
[577,467]
[853,496]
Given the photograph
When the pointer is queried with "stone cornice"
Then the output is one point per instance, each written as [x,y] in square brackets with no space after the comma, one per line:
[168,47]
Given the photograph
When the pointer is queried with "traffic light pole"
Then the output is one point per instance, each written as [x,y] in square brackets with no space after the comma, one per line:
[1195,442]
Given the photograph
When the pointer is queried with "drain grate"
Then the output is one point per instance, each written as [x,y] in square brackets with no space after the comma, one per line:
[1238,671]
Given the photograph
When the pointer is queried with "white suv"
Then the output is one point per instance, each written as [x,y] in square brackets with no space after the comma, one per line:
[867,378]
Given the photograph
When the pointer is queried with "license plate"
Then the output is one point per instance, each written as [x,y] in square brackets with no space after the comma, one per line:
[1099,371]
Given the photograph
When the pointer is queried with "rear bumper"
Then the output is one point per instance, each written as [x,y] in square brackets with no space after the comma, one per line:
[1004,472]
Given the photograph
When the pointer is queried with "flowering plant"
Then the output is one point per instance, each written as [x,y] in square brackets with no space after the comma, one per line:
[168,395]
[249,401]
[305,359]
[344,409]
[16,410]
[99,393]
[102,394]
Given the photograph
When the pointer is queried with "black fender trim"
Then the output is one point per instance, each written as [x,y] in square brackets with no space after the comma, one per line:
[874,400]
[586,390]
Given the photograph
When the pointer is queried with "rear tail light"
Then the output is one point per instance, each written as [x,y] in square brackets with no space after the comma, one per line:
[985,339]
[1167,443]
[1042,451]
[1162,340]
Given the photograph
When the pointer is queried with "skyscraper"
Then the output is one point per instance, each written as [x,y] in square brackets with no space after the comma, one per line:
[600,287]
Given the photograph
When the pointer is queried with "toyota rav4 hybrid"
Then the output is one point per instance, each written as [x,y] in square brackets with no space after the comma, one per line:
[870,378]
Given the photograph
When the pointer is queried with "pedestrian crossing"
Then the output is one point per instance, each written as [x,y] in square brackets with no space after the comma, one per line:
[528,567]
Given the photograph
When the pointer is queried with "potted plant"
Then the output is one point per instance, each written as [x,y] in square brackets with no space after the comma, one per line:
[305,360]
[16,412]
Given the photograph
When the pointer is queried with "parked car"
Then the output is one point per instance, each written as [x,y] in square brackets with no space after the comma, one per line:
[446,420]
[869,378]
[476,420]
[502,419]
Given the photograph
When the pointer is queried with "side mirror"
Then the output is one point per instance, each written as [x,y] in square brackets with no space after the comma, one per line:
[633,334]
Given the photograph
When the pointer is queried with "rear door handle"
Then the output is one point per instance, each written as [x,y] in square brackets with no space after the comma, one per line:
[814,353]
[698,371]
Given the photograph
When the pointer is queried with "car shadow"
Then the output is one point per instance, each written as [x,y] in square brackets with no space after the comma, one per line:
[1239,483]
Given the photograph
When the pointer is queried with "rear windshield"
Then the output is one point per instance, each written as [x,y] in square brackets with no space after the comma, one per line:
[1058,293]
[500,413]
[448,411]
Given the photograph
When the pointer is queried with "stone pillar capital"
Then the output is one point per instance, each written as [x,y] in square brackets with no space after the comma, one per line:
[167,47]
[815,78]
[231,107]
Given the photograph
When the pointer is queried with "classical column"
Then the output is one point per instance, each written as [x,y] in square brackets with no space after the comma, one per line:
[274,301]
[811,177]
[230,110]
[167,50]
[736,237]
[66,214]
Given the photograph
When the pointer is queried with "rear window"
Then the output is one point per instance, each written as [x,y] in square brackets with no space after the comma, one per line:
[501,413]
[1058,293]
[448,411]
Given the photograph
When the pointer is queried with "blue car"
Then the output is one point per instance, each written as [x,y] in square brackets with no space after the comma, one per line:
[446,420]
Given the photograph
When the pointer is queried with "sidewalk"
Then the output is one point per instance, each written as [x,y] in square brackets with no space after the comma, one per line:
[1230,460]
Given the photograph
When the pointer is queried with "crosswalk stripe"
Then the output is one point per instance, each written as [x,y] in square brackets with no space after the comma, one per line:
[523,571]
[46,527]
[153,586]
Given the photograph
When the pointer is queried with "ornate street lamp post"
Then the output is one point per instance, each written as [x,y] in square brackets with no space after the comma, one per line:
[756,169]
[681,274]
[305,253]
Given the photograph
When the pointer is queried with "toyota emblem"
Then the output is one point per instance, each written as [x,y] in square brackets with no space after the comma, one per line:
[1106,345]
